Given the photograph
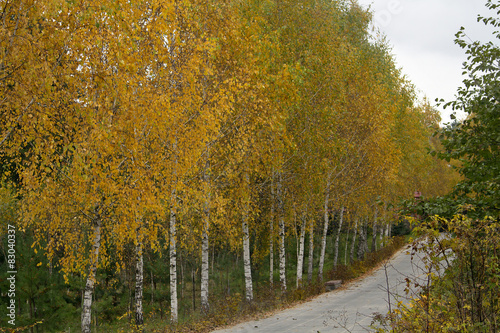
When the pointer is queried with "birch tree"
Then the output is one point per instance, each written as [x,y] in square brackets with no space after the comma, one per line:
[282,244]
[326,220]
[300,255]
[82,166]
[337,238]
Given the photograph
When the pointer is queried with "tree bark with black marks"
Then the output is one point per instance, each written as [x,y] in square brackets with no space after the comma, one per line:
[91,278]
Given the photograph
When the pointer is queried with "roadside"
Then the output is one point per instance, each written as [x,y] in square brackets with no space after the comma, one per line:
[351,308]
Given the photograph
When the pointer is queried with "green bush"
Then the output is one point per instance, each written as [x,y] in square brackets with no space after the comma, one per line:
[464,297]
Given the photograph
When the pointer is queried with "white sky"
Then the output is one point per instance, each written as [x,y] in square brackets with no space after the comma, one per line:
[422,34]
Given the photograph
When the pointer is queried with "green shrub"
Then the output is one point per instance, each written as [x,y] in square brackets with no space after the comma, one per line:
[464,297]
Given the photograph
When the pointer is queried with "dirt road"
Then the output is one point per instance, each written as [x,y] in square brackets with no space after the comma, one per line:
[350,309]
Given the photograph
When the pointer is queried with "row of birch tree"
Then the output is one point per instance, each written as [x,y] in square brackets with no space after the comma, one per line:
[179,124]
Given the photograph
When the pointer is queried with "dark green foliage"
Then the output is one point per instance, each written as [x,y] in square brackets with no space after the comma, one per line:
[442,206]
[462,294]
[401,228]
[41,294]
[475,142]
[463,297]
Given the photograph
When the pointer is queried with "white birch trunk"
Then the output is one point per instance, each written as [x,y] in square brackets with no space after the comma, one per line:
[271,236]
[246,257]
[282,251]
[205,229]
[300,256]
[282,254]
[89,286]
[204,268]
[247,263]
[346,244]
[323,239]
[362,245]
[205,247]
[383,232]
[173,260]
[374,234]
[174,79]
[337,239]
[365,248]
[353,244]
[311,253]
[271,254]
[139,284]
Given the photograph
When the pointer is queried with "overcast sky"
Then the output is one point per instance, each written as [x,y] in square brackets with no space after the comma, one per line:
[422,34]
